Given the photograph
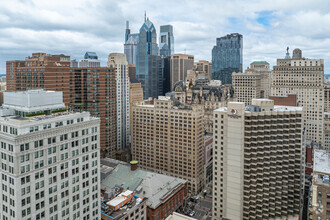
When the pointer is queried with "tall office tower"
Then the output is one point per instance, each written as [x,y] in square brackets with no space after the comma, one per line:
[227,57]
[247,86]
[41,70]
[131,71]
[130,45]
[169,138]
[258,169]
[166,40]
[90,60]
[262,68]
[90,89]
[180,64]
[305,77]
[119,63]
[320,188]
[50,158]
[203,66]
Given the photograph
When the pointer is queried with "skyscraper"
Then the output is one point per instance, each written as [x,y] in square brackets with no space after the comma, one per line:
[227,57]
[50,158]
[130,45]
[166,40]
[119,63]
[148,63]
[258,170]
[305,77]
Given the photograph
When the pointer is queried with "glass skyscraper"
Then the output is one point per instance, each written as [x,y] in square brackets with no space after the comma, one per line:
[166,40]
[227,57]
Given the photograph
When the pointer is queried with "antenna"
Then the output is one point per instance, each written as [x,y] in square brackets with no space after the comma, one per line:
[185,51]
[145,16]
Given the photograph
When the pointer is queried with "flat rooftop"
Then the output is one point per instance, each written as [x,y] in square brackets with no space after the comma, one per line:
[321,161]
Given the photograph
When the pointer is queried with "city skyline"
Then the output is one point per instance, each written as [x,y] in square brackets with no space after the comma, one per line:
[268,28]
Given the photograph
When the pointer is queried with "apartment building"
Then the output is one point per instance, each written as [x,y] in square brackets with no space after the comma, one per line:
[90,89]
[257,163]
[49,159]
[179,65]
[304,77]
[119,62]
[168,138]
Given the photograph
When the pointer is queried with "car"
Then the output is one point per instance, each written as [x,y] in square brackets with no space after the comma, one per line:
[192,214]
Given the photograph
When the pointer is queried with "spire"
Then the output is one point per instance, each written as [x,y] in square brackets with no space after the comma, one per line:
[127,24]
[145,16]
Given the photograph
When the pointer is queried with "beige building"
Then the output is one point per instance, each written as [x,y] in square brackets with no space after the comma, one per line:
[180,64]
[119,62]
[135,96]
[319,207]
[262,68]
[203,66]
[247,86]
[326,97]
[257,161]
[326,133]
[304,77]
[169,138]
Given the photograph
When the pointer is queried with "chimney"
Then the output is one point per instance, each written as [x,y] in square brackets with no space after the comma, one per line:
[134,165]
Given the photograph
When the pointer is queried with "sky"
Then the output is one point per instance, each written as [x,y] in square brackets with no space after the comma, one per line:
[72,27]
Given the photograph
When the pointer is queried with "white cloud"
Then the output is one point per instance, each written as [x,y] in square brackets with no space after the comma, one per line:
[73,27]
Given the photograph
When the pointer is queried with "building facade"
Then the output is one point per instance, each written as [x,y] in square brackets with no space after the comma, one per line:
[258,167]
[304,77]
[326,126]
[247,86]
[262,68]
[118,61]
[166,40]
[90,89]
[169,138]
[180,64]
[90,60]
[135,96]
[227,57]
[50,161]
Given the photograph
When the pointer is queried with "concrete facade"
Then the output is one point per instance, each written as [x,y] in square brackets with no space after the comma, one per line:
[257,168]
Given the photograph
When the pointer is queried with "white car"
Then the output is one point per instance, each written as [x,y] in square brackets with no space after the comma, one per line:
[192,214]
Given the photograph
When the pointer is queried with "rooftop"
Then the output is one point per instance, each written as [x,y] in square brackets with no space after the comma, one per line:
[259,62]
[321,161]
[145,184]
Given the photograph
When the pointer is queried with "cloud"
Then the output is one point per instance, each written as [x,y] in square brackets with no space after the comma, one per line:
[73,27]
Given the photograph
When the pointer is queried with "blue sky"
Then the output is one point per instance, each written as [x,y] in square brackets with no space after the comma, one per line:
[73,27]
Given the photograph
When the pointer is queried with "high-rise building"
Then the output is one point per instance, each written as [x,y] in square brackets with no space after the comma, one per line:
[169,138]
[247,86]
[262,68]
[320,188]
[119,63]
[304,77]
[180,64]
[326,97]
[148,64]
[50,158]
[258,170]
[135,96]
[130,45]
[227,57]
[166,40]
[90,60]
[90,89]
